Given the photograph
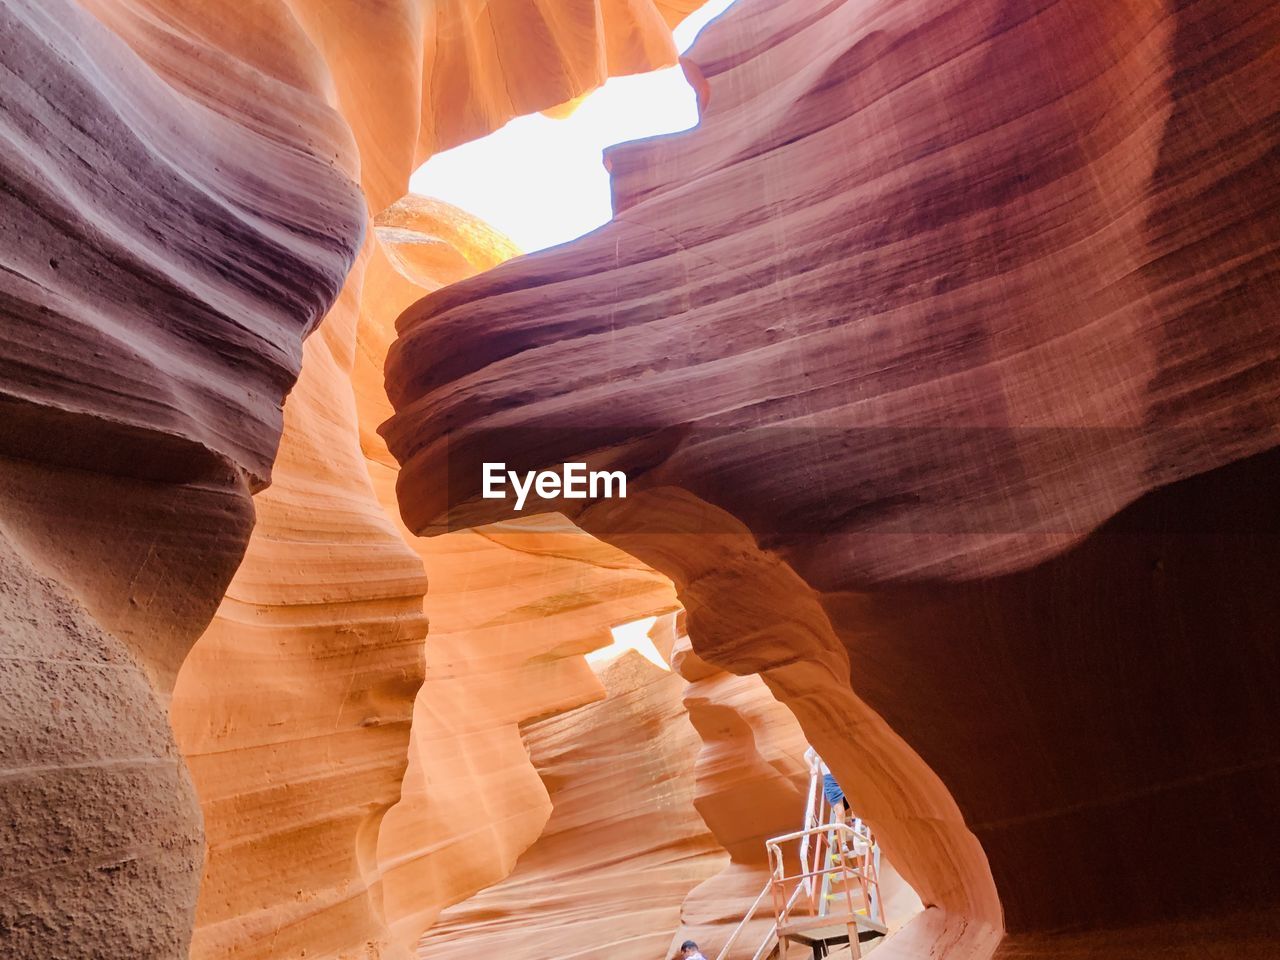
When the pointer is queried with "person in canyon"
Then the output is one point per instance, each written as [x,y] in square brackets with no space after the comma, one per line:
[689,951]
[835,796]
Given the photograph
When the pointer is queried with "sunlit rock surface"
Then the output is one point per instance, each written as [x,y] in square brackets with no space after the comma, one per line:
[752,782]
[322,836]
[623,845]
[513,609]
[182,207]
[943,355]
[294,708]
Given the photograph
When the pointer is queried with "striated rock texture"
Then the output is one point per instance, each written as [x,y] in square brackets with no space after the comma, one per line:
[154,292]
[513,608]
[407,78]
[943,356]
[155,302]
[752,773]
[295,708]
[752,783]
[182,205]
[623,845]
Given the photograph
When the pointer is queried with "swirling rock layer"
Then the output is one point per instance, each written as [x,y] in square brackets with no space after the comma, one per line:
[299,706]
[751,778]
[180,210]
[513,609]
[624,843]
[293,709]
[944,359]
[155,301]
[155,289]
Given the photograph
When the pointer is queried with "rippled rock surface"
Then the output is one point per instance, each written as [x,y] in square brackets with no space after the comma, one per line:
[943,357]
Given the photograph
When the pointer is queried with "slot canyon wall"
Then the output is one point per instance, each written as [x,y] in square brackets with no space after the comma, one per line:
[663,795]
[751,784]
[156,291]
[186,188]
[943,357]
[623,846]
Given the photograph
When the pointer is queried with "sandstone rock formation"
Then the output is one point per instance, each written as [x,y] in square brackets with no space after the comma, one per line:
[513,609]
[98,838]
[623,845]
[320,837]
[156,290]
[181,209]
[294,707]
[752,779]
[944,361]
[752,782]
[156,298]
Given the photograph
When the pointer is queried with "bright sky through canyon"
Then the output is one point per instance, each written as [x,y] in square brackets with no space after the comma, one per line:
[630,636]
[542,181]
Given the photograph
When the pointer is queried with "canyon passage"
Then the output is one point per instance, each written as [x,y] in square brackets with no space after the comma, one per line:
[941,359]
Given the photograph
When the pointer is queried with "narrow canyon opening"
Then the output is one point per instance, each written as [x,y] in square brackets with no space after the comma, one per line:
[749,785]
[541,179]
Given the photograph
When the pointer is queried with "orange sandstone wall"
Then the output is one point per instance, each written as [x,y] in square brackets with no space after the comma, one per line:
[943,357]
[623,845]
[513,608]
[320,837]
[752,783]
[294,708]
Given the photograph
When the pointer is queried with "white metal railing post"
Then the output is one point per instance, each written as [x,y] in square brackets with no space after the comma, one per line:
[812,808]
[827,847]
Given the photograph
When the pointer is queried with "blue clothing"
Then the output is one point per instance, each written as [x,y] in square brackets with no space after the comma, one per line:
[831,790]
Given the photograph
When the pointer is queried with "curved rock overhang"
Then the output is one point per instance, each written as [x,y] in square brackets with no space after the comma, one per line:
[943,359]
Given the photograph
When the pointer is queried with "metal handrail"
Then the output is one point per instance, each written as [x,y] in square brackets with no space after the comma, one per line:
[821,828]
[814,808]
[846,845]
[737,931]
[818,873]
[780,878]
[816,834]
[773,930]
